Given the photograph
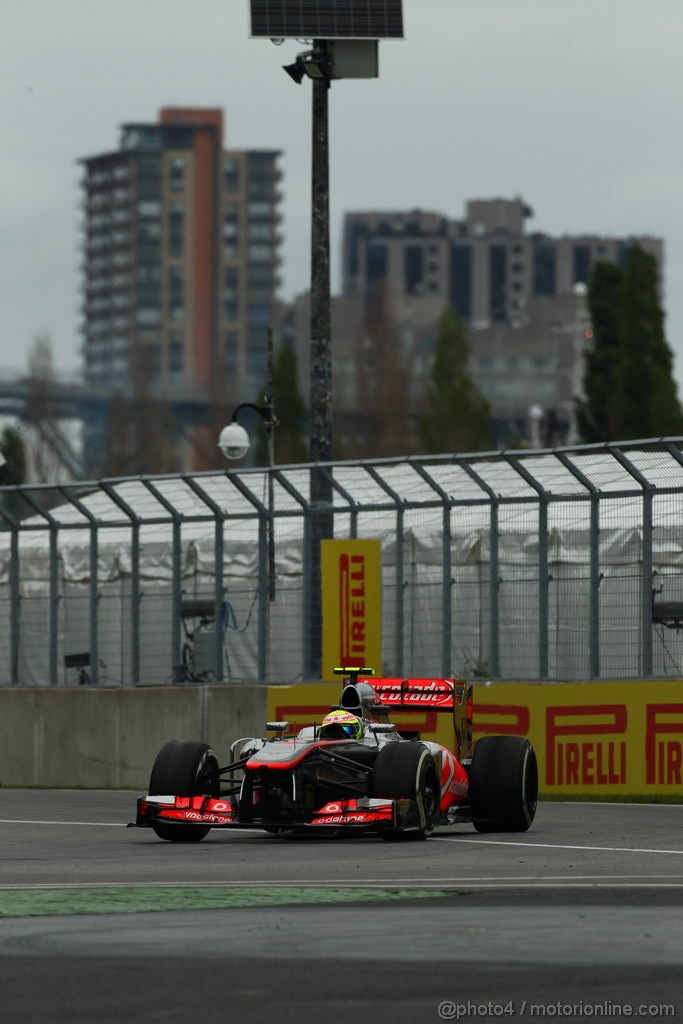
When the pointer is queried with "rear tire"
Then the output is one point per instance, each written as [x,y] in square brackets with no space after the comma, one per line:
[408,771]
[503,784]
[184,768]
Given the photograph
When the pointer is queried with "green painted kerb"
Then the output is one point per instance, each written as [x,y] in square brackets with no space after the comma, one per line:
[138,899]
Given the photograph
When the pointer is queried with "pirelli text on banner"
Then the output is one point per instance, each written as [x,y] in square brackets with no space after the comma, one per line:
[352,611]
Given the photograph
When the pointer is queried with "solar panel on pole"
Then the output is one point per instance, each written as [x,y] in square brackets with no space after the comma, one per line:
[327,19]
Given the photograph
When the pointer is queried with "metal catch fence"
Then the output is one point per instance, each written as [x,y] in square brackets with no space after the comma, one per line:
[544,565]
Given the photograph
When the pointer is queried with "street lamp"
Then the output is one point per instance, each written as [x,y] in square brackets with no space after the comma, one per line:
[334,55]
[235,442]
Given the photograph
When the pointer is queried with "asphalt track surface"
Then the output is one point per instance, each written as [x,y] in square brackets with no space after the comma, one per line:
[581,917]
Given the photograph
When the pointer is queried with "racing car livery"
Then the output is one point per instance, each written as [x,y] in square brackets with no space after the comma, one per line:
[353,772]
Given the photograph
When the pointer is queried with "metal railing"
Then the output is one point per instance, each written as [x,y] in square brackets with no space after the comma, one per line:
[548,565]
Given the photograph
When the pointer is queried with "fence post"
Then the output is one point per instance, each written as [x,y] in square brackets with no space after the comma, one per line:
[400,576]
[594,570]
[543,577]
[447,571]
[53,562]
[218,616]
[135,595]
[646,581]
[494,566]
[177,573]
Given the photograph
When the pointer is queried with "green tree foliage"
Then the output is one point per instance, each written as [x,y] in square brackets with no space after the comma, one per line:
[290,411]
[598,416]
[12,448]
[629,389]
[458,417]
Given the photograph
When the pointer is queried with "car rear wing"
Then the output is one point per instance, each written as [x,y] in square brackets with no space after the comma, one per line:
[397,695]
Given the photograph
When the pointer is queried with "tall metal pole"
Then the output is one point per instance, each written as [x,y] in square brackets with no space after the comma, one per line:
[321,358]
[321,362]
[270,447]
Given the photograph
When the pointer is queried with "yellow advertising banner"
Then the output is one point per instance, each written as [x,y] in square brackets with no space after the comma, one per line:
[592,739]
[351,604]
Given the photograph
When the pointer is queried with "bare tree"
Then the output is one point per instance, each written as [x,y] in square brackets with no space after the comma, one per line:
[139,428]
[381,424]
[50,456]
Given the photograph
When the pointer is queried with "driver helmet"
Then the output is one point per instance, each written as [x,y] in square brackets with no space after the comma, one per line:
[341,725]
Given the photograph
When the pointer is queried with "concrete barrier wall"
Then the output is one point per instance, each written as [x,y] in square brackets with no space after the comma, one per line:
[593,739]
[104,738]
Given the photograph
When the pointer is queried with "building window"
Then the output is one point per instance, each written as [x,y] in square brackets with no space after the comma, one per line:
[259,314]
[176,175]
[545,269]
[582,264]
[176,359]
[176,228]
[258,208]
[176,293]
[497,283]
[376,266]
[148,317]
[460,285]
[413,269]
[231,351]
[260,253]
[260,232]
[231,175]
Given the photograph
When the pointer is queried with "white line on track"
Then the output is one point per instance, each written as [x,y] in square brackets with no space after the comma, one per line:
[442,839]
[388,883]
[32,821]
[549,846]
[94,824]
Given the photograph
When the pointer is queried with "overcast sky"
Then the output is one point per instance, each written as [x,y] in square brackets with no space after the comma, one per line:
[571,104]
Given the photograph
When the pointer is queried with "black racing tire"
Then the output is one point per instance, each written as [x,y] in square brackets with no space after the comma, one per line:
[408,771]
[503,784]
[184,768]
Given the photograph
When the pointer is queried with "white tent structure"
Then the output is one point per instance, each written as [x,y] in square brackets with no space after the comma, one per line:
[514,565]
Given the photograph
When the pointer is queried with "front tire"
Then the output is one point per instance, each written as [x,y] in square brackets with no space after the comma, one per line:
[184,768]
[503,784]
[408,771]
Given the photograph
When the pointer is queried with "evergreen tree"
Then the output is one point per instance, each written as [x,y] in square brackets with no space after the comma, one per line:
[629,388]
[598,415]
[458,417]
[290,412]
[12,447]
[647,394]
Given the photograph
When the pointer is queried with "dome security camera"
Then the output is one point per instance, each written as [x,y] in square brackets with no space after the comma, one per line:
[234,441]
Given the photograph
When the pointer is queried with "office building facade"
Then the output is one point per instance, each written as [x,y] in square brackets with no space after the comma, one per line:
[181,256]
[486,265]
[522,295]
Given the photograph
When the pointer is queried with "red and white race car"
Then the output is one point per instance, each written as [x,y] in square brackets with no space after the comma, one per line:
[353,772]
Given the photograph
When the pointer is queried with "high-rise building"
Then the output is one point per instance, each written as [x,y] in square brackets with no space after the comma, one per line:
[181,255]
[486,265]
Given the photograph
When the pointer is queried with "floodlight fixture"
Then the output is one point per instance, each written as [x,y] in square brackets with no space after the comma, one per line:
[312,63]
[295,71]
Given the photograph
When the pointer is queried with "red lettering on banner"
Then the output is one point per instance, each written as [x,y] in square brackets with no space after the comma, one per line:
[518,715]
[590,763]
[585,762]
[663,757]
[352,609]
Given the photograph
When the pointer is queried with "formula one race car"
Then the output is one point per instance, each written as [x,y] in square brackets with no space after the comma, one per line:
[353,772]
